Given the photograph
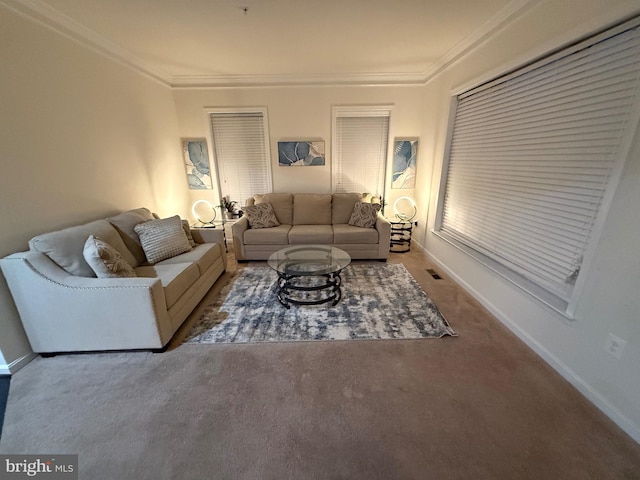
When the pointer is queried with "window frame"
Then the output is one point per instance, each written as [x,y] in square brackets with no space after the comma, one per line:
[566,308]
[209,111]
[360,111]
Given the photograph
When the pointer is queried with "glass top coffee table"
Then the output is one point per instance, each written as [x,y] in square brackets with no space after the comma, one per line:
[309,274]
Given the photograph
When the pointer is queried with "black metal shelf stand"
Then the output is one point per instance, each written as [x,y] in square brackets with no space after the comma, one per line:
[401,236]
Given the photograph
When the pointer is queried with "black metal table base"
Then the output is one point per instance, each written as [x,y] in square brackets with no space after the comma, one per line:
[400,241]
[290,288]
[400,246]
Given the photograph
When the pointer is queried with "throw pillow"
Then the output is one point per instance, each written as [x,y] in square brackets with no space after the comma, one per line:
[261,216]
[282,204]
[125,223]
[65,247]
[105,260]
[163,238]
[187,231]
[364,214]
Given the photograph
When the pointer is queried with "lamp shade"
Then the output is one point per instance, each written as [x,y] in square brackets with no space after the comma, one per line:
[204,211]
[404,208]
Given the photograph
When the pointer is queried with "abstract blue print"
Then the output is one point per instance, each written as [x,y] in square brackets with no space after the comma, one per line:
[300,153]
[196,163]
[405,156]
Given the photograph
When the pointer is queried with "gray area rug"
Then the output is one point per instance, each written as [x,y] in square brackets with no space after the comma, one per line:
[379,301]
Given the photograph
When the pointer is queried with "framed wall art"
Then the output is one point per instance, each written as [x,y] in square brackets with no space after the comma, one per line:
[301,154]
[405,156]
[196,163]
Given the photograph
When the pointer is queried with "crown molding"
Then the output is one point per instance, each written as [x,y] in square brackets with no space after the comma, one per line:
[53,19]
[508,14]
[305,80]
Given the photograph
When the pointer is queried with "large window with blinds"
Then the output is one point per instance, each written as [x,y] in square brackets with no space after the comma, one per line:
[360,143]
[241,152]
[532,161]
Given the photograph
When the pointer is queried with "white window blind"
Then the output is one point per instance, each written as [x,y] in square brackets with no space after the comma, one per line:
[360,143]
[240,144]
[532,155]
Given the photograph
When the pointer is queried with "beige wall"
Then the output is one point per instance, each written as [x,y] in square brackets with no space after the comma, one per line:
[81,137]
[297,113]
[610,300]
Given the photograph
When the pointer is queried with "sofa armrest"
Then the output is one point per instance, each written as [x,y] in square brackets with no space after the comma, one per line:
[212,235]
[208,235]
[62,312]
[384,236]
[237,232]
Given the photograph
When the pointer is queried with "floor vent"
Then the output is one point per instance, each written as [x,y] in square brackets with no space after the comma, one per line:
[433,273]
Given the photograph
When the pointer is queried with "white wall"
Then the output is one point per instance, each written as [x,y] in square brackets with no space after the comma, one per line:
[610,302]
[297,113]
[81,137]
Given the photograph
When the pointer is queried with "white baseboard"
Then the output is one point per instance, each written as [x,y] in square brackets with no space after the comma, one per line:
[584,388]
[17,364]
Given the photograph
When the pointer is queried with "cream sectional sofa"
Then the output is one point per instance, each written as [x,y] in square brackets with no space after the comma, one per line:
[65,307]
[307,218]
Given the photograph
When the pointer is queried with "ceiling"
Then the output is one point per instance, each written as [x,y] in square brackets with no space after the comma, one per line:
[262,42]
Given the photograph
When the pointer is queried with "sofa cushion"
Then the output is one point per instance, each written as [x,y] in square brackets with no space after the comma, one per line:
[364,214]
[203,255]
[311,209]
[162,239]
[65,247]
[105,260]
[282,204]
[187,232]
[176,278]
[308,234]
[125,224]
[267,236]
[348,234]
[342,206]
[261,216]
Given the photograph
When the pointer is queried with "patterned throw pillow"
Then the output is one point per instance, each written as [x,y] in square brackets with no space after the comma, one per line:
[162,239]
[261,215]
[105,260]
[364,214]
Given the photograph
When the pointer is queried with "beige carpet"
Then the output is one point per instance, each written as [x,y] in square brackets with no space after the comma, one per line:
[480,406]
[406,409]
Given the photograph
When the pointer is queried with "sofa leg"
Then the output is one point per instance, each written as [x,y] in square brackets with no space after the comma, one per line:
[160,350]
[47,354]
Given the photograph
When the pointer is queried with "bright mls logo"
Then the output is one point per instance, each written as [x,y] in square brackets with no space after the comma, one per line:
[51,467]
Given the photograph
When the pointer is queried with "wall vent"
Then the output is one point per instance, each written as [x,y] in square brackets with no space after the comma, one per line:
[433,273]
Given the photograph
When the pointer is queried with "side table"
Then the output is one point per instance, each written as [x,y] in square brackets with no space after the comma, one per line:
[400,236]
[223,223]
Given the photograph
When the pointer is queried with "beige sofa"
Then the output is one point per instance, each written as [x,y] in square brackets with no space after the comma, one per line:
[65,307]
[307,218]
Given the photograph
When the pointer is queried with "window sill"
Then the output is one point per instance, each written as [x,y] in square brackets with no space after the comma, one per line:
[549,300]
